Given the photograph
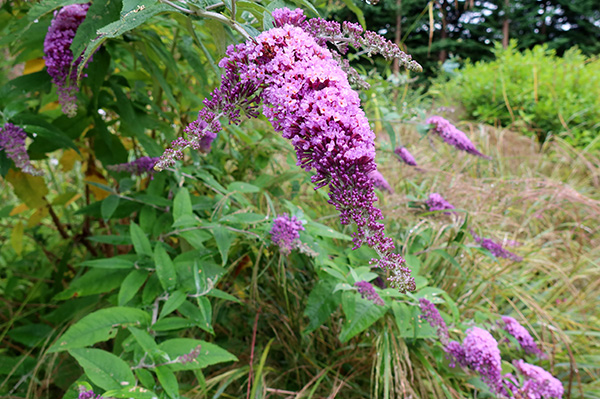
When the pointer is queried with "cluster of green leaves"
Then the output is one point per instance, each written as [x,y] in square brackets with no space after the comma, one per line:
[534,90]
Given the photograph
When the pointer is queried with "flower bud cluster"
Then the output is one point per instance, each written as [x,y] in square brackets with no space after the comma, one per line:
[12,141]
[138,167]
[522,336]
[496,249]
[405,156]
[430,313]
[380,182]
[286,233]
[58,55]
[89,395]
[367,291]
[436,202]
[190,357]
[451,135]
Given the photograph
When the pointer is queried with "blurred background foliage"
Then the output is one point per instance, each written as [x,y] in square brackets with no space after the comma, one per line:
[106,277]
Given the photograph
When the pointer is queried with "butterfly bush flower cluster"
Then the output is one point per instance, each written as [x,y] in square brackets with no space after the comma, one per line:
[522,336]
[479,352]
[537,384]
[380,182]
[436,202]
[12,141]
[89,394]
[286,233]
[367,291]
[58,55]
[307,97]
[138,167]
[190,357]
[496,249]
[405,156]
[451,135]
[430,313]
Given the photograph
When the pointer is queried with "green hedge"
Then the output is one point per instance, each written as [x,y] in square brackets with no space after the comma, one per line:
[534,90]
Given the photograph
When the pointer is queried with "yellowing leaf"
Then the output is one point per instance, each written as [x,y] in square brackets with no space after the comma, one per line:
[18,209]
[32,66]
[37,217]
[99,193]
[127,143]
[50,106]
[68,159]
[16,238]
[30,189]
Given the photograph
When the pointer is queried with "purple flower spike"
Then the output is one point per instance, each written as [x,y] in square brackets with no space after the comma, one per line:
[380,182]
[539,384]
[496,249]
[522,336]
[88,394]
[12,141]
[190,357]
[479,352]
[58,55]
[405,156]
[453,136]
[437,203]
[285,233]
[432,315]
[308,99]
[138,167]
[367,291]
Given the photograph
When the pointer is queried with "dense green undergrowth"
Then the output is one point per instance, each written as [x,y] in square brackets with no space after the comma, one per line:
[533,91]
[168,285]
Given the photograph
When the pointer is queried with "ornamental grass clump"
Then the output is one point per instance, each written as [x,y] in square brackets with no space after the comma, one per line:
[307,97]
[12,142]
[59,57]
[451,135]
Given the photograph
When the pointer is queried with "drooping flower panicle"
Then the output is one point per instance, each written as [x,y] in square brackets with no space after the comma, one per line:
[59,57]
[380,182]
[138,167]
[430,313]
[479,352]
[405,156]
[522,336]
[496,249]
[436,202]
[12,141]
[367,291]
[451,135]
[286,233]
[307,97]
[89,394]
[538,384]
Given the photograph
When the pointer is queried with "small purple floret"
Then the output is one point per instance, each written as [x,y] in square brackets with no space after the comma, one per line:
[405,156]
[12,141]
[367,291]
[451,135]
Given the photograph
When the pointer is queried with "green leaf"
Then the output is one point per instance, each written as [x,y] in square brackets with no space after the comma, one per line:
[116,262]
[141,244]
[182,205]
[131,285]
[99,326]
[168,381]
[244,218]
[360,315]
[109,205]
[201,315]
[144,339]
[103,368]
[325,231]
[16,238]
[175,300]
[357,11]
[409,323]
[321,303]
[209,353]
[241,187]
[100,14]
[52,134]
[224,239]
[164,268]
[172,323]
[95,281]
[133,392]
[42,8]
